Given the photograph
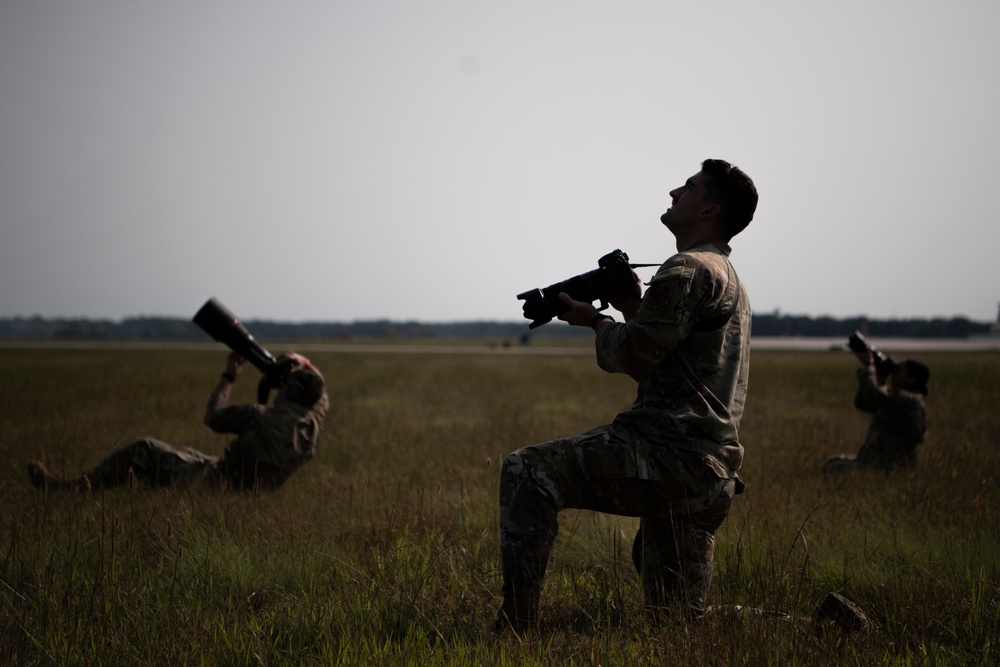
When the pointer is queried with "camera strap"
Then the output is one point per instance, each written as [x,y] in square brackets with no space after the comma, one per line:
[719,321]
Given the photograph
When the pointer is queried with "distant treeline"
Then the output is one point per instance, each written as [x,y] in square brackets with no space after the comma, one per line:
[166,328]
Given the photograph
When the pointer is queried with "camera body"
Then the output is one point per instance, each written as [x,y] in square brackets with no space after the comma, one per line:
[613,277]
[222,325]
[884,364]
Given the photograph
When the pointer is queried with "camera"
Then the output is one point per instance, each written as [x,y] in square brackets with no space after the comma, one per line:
[613,277]
[219,322]
[884,364]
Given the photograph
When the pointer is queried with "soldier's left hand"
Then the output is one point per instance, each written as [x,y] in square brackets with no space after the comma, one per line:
[234,362]
[580,313]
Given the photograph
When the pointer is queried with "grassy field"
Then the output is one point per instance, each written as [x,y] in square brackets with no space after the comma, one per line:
[384,549]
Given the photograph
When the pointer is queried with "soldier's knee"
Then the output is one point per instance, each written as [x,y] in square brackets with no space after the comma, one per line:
[141,445]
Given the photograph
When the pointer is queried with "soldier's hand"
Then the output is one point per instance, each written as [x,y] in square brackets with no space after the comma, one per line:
[865,357]
[627,304]
[580,313]
[234,362]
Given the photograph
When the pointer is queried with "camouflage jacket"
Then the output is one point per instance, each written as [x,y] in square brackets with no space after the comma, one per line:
[688,346]
[898,424]
[273,441]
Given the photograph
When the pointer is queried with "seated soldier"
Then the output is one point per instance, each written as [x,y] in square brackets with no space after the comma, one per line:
[899,419]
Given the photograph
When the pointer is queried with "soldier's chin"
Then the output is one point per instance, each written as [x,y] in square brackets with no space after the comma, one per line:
[665,216]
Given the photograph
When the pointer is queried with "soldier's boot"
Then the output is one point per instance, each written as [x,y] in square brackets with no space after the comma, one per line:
[837,610]
[840,463]
[41,478]
[519,611]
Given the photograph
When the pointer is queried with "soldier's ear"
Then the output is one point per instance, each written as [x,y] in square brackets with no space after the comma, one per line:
[710,211]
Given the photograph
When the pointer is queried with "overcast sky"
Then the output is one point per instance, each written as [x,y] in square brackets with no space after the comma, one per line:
[348,160]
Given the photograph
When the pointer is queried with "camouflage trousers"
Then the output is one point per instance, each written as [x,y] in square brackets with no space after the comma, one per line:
[681,502]
[154,463]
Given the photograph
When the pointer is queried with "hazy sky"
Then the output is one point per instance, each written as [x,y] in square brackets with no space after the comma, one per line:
[345,160]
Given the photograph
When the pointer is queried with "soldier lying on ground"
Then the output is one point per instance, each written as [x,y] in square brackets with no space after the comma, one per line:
[271,443]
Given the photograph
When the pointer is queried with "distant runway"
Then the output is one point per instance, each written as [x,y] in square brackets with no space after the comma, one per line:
[886,344]
[546,349]
[311,346]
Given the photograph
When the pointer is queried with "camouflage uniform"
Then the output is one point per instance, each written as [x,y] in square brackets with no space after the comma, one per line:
[898,426]
[671,459]
[272,443]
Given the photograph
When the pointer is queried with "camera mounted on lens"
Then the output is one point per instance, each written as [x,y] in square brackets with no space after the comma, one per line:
[885,365]
[219,322]
[613,277]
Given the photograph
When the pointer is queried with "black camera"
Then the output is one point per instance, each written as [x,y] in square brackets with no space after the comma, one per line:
[613,277]
[219,322]
[884,364]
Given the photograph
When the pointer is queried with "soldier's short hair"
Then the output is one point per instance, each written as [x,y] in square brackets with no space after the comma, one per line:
[304,387]
[734,192]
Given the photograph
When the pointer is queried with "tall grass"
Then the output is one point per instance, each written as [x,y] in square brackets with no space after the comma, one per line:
[384,549]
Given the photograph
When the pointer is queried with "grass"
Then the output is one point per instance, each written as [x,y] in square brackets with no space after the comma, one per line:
[384,549]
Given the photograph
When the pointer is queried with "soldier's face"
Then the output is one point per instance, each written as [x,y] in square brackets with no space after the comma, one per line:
[687,202]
